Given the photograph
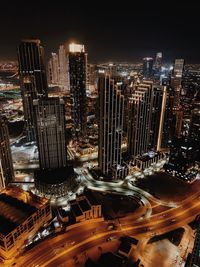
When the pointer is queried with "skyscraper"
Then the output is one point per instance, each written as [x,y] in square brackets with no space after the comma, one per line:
[139,107]
[158,61]
[63,68]
[158,105]
[32,78]
[53,69]
[78,79]
[168,132]
[6,165]
[51,132]
[147,67]
[111,108]
[158,65]
[176,80]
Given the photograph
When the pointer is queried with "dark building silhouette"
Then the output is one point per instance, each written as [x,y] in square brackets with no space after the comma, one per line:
[6,164]
[78,80]
[33,80]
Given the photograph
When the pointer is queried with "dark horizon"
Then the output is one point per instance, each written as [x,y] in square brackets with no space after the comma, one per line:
[109,34]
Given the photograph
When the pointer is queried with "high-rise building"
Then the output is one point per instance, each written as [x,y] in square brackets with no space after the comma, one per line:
[63,68]
[6,164]
[158,105]
[78,80]
[53,69]
[32,78]
[139,119]
[194,131]
[111,108]
[176,80]
[168,132]
[51,132]
[147,67]
[158,61]
[158,65]
[178,68]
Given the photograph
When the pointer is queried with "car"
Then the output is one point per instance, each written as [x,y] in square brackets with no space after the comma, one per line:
[110,238]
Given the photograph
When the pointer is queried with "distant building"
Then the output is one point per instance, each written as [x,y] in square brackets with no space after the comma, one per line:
[6,164]
[169,125]
[147,67]
[78,82]
[63,68]
[176,80]
[51,132]
[53,69]
[111,113]
[33,80]
[21,216]
[158,61]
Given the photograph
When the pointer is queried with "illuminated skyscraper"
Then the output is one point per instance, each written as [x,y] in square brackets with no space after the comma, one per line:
[78,81]
[178,68]
[139,107]
[51,132]
[6,165]
[63,68]
[168,132]
[176,80]
[53,69]
[147,67]
[111,107]
[158,61]
[32,78]
[158,105]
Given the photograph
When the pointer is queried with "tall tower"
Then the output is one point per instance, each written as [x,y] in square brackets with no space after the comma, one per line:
[176,80]
[51,132]
[6,165]
[139,107]
[158,105]
[78,80]
[32,78]
[63,68]
[147,67]
[111,107]
[53,69]
[168,132]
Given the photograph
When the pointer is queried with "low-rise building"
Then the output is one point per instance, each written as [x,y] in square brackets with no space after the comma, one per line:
[84,207]
[21,215]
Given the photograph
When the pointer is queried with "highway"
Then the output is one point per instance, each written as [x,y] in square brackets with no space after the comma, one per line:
[59,249]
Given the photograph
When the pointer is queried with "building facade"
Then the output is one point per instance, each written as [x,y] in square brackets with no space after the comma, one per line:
[78,81]
[22,214]
[147,67]
[111,109]
[33,79]
[139,107]
[6,164]
[51,132]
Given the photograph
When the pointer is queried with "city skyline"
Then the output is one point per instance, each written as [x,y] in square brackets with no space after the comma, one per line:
[99,135]
[118,34]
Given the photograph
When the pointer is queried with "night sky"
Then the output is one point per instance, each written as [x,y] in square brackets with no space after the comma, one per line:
[118,33]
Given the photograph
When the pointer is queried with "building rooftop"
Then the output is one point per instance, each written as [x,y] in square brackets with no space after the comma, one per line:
[91,198]
[84,205]
[125,247]
[76,210]
[16,205]
[54,176]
